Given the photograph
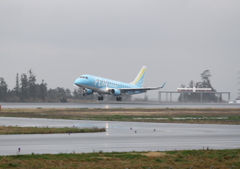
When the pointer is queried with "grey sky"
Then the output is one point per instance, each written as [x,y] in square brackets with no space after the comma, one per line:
[176,39]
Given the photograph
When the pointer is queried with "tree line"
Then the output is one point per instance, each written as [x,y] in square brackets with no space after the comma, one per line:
[28,90]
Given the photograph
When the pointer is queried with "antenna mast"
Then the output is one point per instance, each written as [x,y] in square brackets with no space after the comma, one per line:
[238,84]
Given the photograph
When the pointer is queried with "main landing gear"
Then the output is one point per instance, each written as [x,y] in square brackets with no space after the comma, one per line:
[100,98]
[119,98]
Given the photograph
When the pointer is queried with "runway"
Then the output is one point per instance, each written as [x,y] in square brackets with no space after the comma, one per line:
[119,137]
[120,105]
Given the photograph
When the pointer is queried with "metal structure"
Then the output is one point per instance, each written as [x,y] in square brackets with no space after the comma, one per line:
[238,84]
[184,92]
[194,89]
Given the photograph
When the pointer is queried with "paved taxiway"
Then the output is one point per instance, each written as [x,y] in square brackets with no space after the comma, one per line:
[118,137]
[120,105]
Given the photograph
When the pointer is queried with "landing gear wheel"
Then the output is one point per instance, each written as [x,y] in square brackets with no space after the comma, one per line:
[119,98]
[100,98]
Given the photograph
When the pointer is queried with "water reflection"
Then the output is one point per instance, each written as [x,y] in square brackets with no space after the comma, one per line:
[106,127]
[89,125]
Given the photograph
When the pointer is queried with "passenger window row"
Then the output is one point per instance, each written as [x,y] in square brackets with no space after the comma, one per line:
[113,84]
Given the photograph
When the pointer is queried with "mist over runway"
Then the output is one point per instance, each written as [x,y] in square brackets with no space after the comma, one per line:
[118,137]
[120,105]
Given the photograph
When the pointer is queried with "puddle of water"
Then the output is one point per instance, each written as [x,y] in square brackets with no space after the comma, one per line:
[103,125]
[90,125]
[152,118]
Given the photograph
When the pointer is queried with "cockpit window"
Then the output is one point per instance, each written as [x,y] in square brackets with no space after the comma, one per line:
[84,77]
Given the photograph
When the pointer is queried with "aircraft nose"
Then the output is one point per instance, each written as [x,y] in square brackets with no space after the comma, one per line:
[77,81]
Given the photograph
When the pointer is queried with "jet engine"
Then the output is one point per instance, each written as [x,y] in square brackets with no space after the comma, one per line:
[87,92]
[115,92]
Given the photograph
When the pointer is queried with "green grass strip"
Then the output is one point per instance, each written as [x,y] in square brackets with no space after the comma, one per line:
[46,130]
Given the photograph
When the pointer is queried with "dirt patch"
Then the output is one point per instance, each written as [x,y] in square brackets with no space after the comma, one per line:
[154,154]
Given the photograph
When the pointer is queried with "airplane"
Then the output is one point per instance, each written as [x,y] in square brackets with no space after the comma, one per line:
[91,84]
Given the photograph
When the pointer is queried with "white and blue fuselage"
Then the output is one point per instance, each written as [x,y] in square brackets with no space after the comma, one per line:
[91,84]
[104,86]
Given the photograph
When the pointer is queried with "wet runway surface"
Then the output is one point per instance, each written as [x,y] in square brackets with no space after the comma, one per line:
[119,137]
[120,105]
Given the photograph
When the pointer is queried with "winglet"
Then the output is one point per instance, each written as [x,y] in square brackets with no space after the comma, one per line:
[163,85]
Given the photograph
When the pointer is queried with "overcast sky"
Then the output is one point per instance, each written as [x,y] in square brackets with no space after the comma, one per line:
[176,39]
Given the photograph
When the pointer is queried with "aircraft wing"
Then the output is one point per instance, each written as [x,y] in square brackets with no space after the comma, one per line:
[141,88]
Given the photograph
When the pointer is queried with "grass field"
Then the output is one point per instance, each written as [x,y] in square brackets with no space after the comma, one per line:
[160,115]
[198,159]
[46,130]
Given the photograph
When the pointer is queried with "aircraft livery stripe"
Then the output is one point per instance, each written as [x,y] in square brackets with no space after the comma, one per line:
[140,77]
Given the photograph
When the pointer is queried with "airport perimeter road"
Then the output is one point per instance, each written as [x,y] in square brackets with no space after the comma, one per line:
[119,137]
[120,105]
